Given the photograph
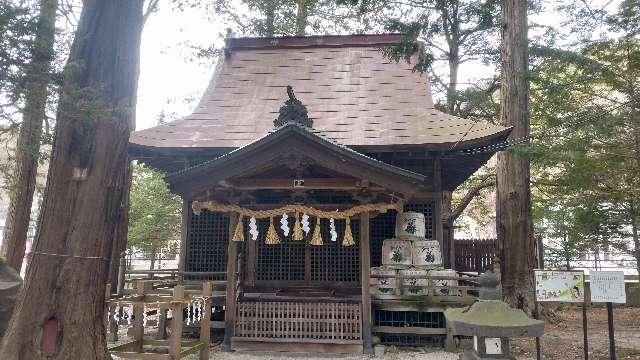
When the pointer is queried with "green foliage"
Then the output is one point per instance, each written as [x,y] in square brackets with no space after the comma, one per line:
[154,213]
[283,17]
[17,29]
[586,150]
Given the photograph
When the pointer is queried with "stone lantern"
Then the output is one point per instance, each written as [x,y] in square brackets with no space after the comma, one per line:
[491,322]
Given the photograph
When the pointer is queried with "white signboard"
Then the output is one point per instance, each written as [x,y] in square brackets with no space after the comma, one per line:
[559,286]
[607,286]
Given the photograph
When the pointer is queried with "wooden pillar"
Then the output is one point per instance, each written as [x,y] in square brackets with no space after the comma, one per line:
[252,251]
[232,273]
[437,208]
[205,323]
[184,233]
[175,341]
[448,251]
[365,269]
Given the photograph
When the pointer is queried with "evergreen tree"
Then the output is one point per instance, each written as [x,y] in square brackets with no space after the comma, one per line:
[154,214]
[64,297]
[37,79]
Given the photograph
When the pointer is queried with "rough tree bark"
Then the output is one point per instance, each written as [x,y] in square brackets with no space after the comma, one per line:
[28,144]
[516,244]
[121,232]
[451,29]
[59,312]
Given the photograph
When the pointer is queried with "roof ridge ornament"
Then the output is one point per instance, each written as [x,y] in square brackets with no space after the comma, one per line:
[293,111]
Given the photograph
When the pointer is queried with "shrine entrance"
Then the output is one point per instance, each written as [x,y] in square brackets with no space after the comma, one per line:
[298,209]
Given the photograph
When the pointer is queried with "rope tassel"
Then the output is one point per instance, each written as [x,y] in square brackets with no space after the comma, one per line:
[297,229]
[348,235]
[238,234]
[272,235]
[316,239]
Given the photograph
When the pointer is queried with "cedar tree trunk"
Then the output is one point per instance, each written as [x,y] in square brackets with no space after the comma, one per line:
[121,232]
[59,313]
[28,144]
[516,243]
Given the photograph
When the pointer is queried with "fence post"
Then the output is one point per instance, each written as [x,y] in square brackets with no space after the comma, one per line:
[111,323]
[175,341]
[121,274]
[205,322]
[142,288]
[162,323]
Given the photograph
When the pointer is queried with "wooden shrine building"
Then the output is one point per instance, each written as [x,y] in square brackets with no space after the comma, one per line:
[352,140]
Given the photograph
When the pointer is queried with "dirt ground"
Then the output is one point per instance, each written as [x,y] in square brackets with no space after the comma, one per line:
[563,339]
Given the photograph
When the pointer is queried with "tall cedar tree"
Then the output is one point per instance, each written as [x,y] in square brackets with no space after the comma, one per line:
[59,312]
[514,225]
[28,145]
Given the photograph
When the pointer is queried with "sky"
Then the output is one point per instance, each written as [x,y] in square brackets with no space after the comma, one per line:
[168,72]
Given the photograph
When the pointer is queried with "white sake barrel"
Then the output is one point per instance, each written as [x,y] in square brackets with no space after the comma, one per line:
[416,286]
[396,253]
[383,287]
[441,291]
[427,254]
[410,225]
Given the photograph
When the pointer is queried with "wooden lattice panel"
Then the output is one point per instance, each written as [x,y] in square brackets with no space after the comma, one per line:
[328,322]
[334,262]
[284,261]
[208,237]
[382,227]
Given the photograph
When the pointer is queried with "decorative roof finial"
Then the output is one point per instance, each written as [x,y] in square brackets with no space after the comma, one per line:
[293,111]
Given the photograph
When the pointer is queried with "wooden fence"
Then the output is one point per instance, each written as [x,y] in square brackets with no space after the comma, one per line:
[284,321]
[474,255]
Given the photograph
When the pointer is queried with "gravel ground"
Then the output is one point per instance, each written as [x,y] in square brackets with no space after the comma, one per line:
[392,353]
[399,355]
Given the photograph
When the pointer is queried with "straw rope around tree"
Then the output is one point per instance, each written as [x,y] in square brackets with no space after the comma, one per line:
[272,237]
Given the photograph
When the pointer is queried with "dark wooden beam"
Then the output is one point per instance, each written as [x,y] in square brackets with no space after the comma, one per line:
[437,211]
[312,184]
[232,273]
[184,232]
[365,268]
[252,251]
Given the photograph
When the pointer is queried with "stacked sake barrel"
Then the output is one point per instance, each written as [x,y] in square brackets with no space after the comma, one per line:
[409,253]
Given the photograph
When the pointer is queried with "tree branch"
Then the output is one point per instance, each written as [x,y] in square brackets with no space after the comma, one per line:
[151,7]
[466,200]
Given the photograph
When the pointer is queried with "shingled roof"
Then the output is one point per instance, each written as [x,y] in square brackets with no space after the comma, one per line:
[354,95]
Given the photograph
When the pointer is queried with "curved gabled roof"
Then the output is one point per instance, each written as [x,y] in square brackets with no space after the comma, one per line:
[288,139]
[353,93]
